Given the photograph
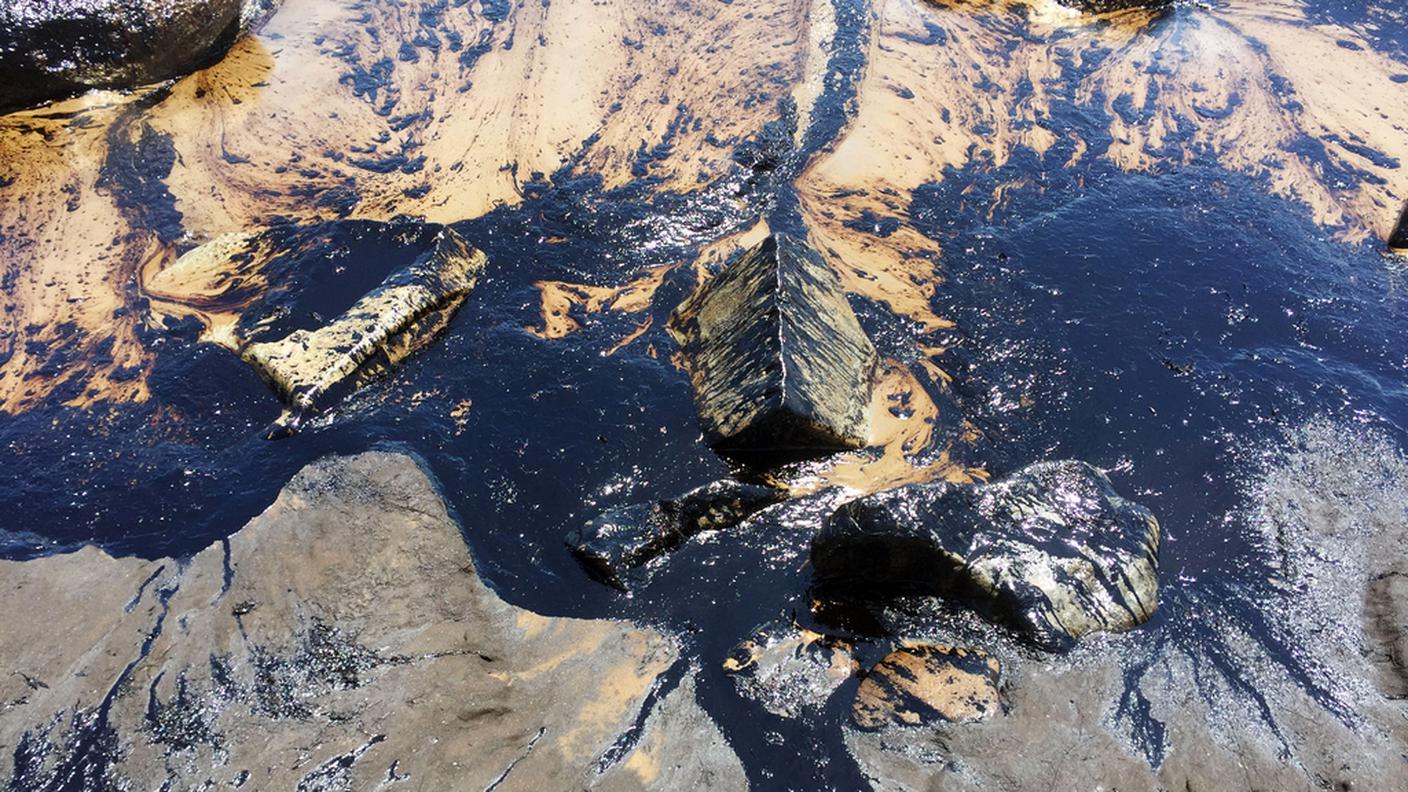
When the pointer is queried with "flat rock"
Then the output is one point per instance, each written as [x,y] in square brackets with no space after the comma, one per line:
[310,368]
[622,540]
[50,49]
[1052,550]
[340,640]
[788,669]
[777,357]
[926,683]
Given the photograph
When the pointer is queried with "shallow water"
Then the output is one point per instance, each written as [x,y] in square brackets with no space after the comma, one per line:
[1162,282]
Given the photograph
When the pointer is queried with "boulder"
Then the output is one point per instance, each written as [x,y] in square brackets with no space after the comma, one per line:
[777,357]
[790,670]
[622,540]
[50,49]
[311,368]
[1052,551]
[340,640]
[922,683]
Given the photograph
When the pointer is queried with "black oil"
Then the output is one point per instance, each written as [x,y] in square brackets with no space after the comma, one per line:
[1158,325]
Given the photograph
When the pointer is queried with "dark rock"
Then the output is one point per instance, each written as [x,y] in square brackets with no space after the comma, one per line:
[624,539]
[312,368]
[1052,551]
[50,49]
[776,355]
[788,669]
[1398,241]
[1103,6]
[926,683]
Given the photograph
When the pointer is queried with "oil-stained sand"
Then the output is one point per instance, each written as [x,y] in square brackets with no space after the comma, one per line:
[1148,240]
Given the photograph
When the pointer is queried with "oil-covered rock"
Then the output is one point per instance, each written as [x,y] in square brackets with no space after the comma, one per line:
[777,357]
[1053,550]
[621,540]
[50,49]
[311,368]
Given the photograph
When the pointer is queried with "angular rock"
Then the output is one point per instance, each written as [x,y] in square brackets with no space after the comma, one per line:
[1398,240]
[927,683]
[621,540]
[311,368]
[50,49]
[1052,551]
[341,640]
[776,355]
[789,669]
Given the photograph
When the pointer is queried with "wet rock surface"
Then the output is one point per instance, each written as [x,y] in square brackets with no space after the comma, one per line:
[622,540]
[341,640]
[790,670]
[50,49]
[1398,241]
[1103,6]
[777,357]
[1316,704]
[1052,550]
[308,368]
[922,683]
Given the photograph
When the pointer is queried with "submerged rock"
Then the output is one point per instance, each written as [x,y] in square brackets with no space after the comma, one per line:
[621,540]
[311,368]
[1052,550]
[340,640]
[926,683]
[776,355]
[789,669]
[50,49]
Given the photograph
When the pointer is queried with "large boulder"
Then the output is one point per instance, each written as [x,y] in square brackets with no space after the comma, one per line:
[50,49]
[622,540]
[340,640]
[777,357]
[1052,551]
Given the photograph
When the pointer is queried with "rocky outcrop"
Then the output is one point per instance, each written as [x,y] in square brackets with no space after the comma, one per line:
[622,540]
[922,683]
[1052,550]
[50,49]
[341,640]
[309,368]
[788,669]
[776,355]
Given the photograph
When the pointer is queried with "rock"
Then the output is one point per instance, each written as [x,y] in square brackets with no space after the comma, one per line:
[1386,626]
[1282,682]
[788,669]
[50,49]
[1104,6]
[621,540]
[310,368]
[1052,551]
[1398,241]
[925,683]
[680,748]
[776,355]
[340,640]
